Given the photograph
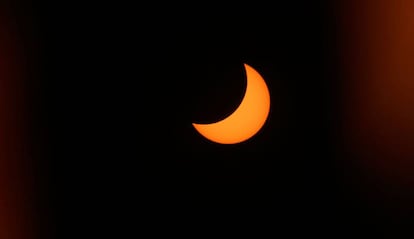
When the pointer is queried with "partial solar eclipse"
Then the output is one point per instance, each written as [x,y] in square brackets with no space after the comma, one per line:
[247,119]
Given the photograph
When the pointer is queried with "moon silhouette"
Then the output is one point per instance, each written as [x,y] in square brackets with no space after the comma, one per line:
[247,119]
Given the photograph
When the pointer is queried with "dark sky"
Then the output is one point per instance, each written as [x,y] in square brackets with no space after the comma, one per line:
[116,88]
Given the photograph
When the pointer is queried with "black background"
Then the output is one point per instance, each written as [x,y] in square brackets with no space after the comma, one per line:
[116,86]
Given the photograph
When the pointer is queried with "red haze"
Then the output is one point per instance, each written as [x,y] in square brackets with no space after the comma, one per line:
[16,199]
[377,39]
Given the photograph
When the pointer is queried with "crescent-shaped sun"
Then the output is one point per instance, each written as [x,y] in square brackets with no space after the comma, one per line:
[247,119]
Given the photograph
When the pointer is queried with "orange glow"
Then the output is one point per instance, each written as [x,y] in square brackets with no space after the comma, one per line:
[247,119]
[377,41]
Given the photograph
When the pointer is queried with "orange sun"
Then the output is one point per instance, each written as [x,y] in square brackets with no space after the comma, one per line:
[247,119]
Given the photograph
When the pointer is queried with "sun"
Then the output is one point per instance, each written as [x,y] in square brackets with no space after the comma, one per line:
[247,119]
